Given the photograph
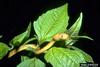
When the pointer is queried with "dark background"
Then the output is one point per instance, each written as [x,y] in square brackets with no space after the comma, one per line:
[15,16]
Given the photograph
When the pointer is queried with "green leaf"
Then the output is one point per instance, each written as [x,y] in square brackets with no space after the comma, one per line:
[61,57]
[3,50]
[52,22]
[34,62]
[21,38]
[87,57]
[24,58]
[75,28]
[73,31]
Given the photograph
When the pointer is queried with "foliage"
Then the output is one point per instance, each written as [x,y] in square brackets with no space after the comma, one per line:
[50,28]
[3,50]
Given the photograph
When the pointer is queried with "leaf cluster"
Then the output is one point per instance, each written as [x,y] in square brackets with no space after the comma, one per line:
[54,41]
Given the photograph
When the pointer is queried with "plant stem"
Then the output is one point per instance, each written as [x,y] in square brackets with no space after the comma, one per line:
[25,47]
[45,47]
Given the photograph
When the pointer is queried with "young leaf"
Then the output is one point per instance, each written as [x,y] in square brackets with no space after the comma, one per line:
[73,31]
[61,57]
[87,57]
[34,62]
[75,28]
[19,39]
[3,50]
[52,22]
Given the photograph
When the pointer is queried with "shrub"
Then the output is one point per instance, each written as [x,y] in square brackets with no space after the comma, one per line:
[53,41]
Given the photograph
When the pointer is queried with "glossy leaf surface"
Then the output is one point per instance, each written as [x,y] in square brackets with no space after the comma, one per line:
[62,57]
[50,23]
[19,39]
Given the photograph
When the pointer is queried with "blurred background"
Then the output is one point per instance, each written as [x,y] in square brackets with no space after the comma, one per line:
[15,16]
